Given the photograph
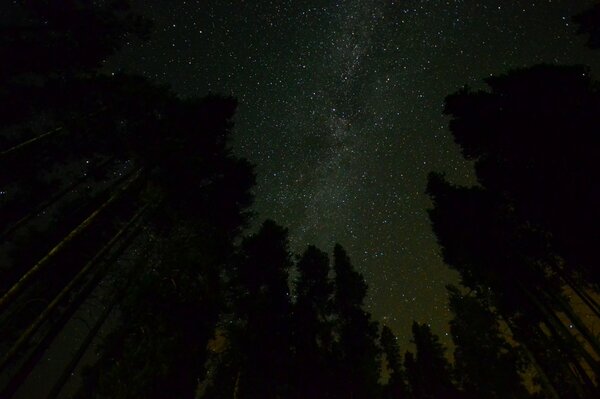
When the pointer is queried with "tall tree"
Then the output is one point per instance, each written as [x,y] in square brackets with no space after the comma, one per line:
[157,152]
[429,372]
[548,177]
[485,364]
[543,186]
[257,361]
[355,352]
[497,256]
[312,325]
[173,309]
[396,386]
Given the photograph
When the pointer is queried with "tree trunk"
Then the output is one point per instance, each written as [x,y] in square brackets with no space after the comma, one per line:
[236,388]
[63,294]
[561,330]
[576,320]
[117,297]
[18,378]
[578,376]
[546,384]
[18,147]
[42,136]
[22,282]
[46,204]
[584,296]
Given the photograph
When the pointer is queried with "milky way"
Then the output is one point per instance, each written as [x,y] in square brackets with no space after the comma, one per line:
[341,110]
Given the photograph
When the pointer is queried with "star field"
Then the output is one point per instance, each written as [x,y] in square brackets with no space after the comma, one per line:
[341,111]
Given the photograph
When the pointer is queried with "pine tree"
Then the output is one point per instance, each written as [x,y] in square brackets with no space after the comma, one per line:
[355,352]
[396,386]
[485,364]
[550,111]
[495,255]
[311,319]
[429,372]
[257,361]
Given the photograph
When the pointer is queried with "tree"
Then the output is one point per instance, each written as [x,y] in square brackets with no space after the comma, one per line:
[485,364]
[172,312]
[551,112]
[51,52]
[428,371]
[396,385]
[257,361]
[495,255]
[545,184]
[538,229]
[118,160]
[311,319]
[356,353]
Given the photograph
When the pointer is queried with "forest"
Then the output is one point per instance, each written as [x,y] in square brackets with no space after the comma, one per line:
[125,231]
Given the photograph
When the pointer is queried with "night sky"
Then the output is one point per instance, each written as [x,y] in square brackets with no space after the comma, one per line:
[341,111]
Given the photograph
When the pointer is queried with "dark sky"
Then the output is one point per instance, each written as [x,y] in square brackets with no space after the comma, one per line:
[341,111]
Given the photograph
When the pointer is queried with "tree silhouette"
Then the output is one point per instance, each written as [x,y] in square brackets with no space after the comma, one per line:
[396,385]
[312,325]
[95,168]
[355,351]
[550,111]
[257,361]
[428,372]
[485,364]
[321,345]
[63,217]
[172,312]
[496,255]
[526,231]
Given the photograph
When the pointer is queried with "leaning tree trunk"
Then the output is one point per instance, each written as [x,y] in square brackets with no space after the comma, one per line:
[516,332]
[541,374]
[34,140]
[48,203]
[580,375]
[34,357]
[24,280]
[66,291]
[579,324]
[552,321]
[37,139]
[83,347]
[584,296]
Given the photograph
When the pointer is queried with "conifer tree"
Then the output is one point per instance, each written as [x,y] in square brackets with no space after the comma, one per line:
[533,210]
[485,364]
[258,359]
[396,386]
[312,325]
[355,351]
[429,372]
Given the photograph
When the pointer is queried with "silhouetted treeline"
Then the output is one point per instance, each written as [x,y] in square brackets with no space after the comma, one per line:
[113,189]
[123,207]
[524,239]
